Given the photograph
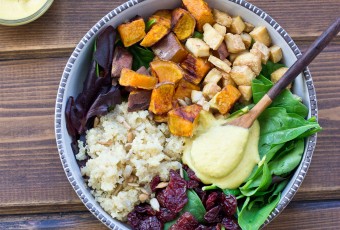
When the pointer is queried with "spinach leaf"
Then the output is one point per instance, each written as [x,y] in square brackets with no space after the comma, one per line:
[288,160]
[198,35]
[270,67]
[278,190]
[194,206]
[210,187]
[185,175]
[258,201]
[234,192]
[149,24]
[254,217]
[141,56]
[260,86]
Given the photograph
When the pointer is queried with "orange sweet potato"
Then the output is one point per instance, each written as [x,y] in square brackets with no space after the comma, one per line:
[131,78]
[162,118]
[132,32]
[170,48]
[162,17]
[196,68]
[166,71]
[183,120]
[184,89]
[156,33]
[161,98]
[225,100]
[182,23]
[201,12]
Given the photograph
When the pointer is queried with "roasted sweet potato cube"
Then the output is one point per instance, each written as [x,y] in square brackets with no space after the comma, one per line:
[121,59]
[170,48]
[182,23]
[164,14]
[196,68]
[161,98]
[184,89]
[133,79]
[156,33]
[183,120]
[201,12]
[162,118]
[162,17]
[132,32]
[139,100]
[225,100]
[166,71]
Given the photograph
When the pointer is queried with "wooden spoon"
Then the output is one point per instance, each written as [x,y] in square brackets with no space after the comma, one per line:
[319,44]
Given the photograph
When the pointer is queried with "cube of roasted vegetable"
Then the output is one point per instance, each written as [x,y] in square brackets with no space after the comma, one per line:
[251,60]
[249,27]
[237,25]
[278,74]
[262,50]
[221,29]
[161,98]
[166,71]
[196,68]
[161,118]
[133,79]
[132,32]
[242,75]
[210,90]
[227,80]
[201,12]
[222,18]
[214,76]
[184,89]
[225,100]
[163,17]
[246,38]
[234,43]
[196,96]
[156,33]
[170,48]
[197,47]
[183,120]
[246,93]
[212,37]
[261,34]
[139,100]
[275,53]
[219,63]
[182,23]
[143,70]
[222,52]
[121,59]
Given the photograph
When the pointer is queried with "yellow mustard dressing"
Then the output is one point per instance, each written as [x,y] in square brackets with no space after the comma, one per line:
[223,155]
[18,9]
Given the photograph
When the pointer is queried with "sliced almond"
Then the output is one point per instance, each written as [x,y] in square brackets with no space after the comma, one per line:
[162,185]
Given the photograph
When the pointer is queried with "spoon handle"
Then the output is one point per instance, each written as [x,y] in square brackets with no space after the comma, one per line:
[319,44]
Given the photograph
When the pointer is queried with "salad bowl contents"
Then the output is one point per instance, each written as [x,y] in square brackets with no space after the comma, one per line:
[147,127]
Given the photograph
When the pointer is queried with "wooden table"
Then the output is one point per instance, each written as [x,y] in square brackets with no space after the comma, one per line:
[34,190]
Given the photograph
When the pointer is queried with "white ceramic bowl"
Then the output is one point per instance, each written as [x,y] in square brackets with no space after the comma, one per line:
[79,62]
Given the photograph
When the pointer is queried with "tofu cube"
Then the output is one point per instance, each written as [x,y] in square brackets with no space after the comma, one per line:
[251,60]
[212,37]
[214,76]
[261,34]
[210,90]
[234,43]
[196,96]
[246,93]
[278,74]
[242,75]
[228,62]
[227,80]
[197,47]
[246,38]
[275,53]
[222,18]
[219,63]
[237,25]
[225,100]
[263,51]
[249,27]
[221,29]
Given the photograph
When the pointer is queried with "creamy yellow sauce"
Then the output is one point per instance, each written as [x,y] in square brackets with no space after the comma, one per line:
[222,155]
[18,9]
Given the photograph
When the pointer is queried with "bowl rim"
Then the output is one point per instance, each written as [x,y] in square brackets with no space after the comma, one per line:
[307,157]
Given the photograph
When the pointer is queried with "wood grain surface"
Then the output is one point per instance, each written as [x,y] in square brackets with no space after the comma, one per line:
[32,57]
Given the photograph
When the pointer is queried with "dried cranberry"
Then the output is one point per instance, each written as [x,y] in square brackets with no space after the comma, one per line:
[192,184]
[174,197]
[165,215]
[186,222]
[134,219]
[230,223]
[214,215]
[154,182]
[202,194]
[229,204]
[150,223]
[204,227]
[212,200]
[145,209]
[192,175]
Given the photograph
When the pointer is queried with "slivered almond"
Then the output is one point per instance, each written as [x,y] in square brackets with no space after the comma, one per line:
[162,185]
[143,197]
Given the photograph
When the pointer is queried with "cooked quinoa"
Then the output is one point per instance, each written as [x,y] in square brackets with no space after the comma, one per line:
[126,151]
